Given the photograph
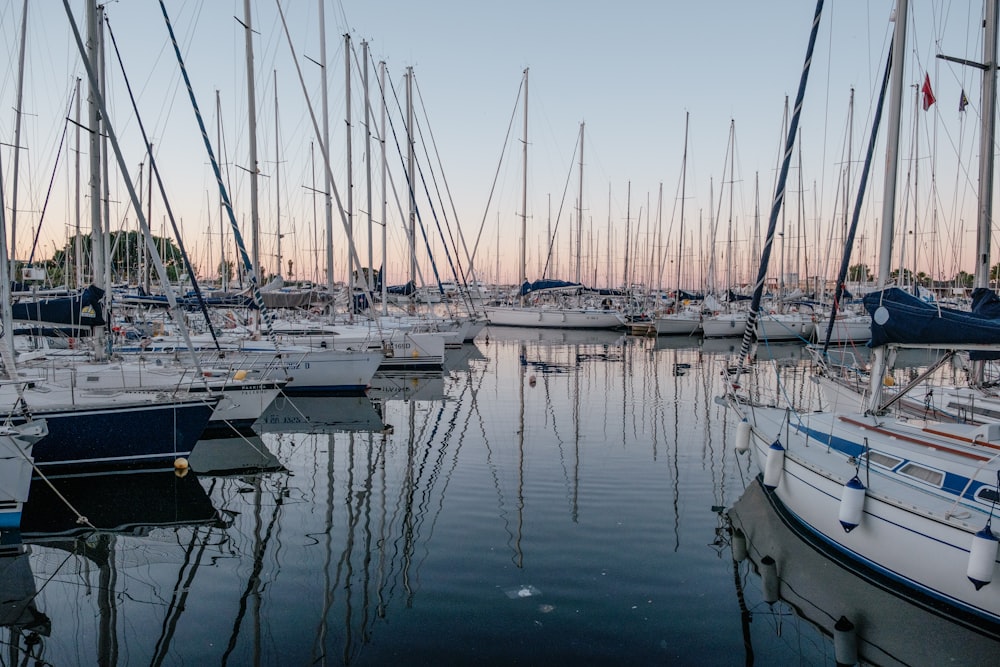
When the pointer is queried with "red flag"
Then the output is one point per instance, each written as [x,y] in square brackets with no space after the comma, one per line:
[929,98]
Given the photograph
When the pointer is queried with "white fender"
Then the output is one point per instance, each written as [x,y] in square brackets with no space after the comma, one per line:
[982,557]
[774,465]
[852,504]
[742,436]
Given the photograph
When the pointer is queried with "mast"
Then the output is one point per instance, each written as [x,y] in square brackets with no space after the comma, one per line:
[385,294]
[78,239]
[351,268]
[17,141]
[680,242]
[879,357]
[986,137]
[327,181]
[410,173]
[523,278]
[252,113]
[368,166]
[579,210]
[223,267]
[94,124]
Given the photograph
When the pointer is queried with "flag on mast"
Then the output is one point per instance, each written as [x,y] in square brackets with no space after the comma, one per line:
[929,98]
[963,101]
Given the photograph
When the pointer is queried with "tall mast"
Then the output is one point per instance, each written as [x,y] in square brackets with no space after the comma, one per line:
[327,182]
[523,278]
[986,137]
[223,266]
[879,360]
[17,142]
[579,210]
[277,177]
[94,124]
[252,113]
[78,239]
[381,77]
[351,268]
[410,173]
[680,241]
[368,166]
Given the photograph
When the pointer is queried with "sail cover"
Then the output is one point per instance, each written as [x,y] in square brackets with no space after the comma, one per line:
[903,319]
[81,309]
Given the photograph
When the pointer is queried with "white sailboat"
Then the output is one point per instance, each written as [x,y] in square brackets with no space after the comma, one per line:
[554,315]
[909,499]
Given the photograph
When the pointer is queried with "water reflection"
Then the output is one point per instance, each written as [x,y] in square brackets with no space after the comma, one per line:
[787,584]
[574,469]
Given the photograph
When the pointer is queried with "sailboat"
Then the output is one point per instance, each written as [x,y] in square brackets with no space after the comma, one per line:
[680,319]
[557,315]
[907,500]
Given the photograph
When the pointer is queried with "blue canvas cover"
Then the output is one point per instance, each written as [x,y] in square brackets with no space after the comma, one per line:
[83,309]
[912,320]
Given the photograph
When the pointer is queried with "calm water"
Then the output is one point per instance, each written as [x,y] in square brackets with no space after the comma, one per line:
[551,498]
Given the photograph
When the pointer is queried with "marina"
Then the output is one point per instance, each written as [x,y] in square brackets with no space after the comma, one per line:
[468,381]
[561,497]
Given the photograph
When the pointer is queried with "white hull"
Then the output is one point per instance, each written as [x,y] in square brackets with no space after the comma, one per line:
[845,329]
[316,370]
[817,586]
[242,401]
[678,324]
[554,318]
[791,326]
[911,531]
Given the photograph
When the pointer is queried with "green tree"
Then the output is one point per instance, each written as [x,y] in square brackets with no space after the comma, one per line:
[126,250]
[859,273]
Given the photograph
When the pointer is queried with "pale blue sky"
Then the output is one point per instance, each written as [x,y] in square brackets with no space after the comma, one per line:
[629,69]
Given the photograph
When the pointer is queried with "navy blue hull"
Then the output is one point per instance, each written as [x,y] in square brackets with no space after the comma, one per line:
[135,436]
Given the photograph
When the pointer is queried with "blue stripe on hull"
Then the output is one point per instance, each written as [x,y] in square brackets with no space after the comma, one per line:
[10,519]
[139,436]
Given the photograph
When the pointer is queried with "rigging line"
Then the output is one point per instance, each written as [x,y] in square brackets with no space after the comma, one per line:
[451,200]
[163,192]
[779,195]
[48,193]
[460,275]
[496,176]
[445,239]
[251,271]
[562,202]
[412,193]
[856,216]
[351,249]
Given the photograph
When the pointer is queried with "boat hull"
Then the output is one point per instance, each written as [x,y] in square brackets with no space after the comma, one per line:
[555,318]
[907,535]
[136,435]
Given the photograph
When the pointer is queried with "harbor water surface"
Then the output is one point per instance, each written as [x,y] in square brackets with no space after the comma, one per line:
[550,498]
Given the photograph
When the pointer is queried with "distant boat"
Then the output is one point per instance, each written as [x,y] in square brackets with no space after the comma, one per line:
[556,314]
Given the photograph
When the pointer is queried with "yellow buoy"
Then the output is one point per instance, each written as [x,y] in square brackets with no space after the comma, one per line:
[240,375]
[180,463]
[889,381]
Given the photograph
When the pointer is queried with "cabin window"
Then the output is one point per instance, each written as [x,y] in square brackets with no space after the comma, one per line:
[884,460]
[988,494]
[916,471]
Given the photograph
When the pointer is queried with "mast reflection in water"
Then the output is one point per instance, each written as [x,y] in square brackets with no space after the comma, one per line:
[550,497]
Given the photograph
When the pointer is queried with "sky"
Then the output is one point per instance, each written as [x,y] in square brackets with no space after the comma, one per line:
[631,71]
